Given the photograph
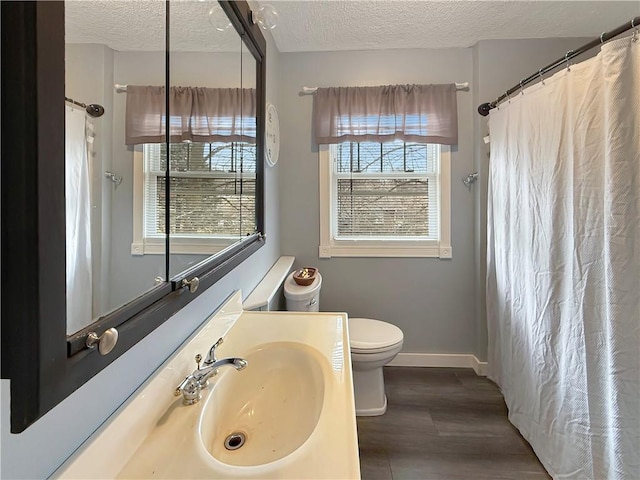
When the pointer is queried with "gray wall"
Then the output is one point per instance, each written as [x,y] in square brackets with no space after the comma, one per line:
[431,300]
[38,451]
[439,304]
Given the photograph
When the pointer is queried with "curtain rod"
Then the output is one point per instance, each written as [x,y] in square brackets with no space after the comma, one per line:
[305,90]
[93,109]
[312,90]
[122,88]
[485,108]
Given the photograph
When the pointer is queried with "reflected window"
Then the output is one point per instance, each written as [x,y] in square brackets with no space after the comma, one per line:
[212,189]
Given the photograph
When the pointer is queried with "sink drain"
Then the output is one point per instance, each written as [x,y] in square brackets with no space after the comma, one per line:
[235,441]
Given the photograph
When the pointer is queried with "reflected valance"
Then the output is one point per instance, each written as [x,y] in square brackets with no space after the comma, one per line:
[412,113]
[198,114]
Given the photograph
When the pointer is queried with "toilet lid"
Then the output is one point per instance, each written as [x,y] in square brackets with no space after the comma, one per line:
[366,334]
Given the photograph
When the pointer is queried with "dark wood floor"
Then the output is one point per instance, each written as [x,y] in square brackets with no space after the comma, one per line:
[443,424]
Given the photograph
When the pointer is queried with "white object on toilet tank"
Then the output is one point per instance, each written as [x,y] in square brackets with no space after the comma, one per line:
[300,298]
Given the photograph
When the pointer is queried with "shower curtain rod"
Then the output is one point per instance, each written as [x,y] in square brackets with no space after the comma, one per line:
[92,109]
[634,23]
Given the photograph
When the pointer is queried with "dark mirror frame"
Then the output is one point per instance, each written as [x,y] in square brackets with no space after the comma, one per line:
[44,365]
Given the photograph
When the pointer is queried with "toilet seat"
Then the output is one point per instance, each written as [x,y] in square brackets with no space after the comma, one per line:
[368,336]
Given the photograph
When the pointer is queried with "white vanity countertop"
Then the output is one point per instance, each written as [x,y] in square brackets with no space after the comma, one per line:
[153,435]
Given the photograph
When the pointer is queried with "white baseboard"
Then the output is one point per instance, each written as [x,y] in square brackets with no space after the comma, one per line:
[450,360]
[479,367]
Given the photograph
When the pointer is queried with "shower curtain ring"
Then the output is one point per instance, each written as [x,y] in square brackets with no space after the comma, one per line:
[508,97]
[566,59]
[521,87]
[602,37]
[540,75]
[636,34]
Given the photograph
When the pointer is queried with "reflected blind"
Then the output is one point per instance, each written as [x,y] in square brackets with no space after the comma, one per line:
[386,191]
[212,188]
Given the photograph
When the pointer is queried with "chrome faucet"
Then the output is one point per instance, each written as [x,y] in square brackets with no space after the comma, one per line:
[192,385]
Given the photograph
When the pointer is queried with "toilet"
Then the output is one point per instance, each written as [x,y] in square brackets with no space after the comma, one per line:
[373,344]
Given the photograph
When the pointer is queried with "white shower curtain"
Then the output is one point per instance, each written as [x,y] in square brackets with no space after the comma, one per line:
[563,280]
[78,221]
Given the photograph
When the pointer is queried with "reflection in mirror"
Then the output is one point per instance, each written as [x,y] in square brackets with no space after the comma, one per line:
[110,44]
[248,164]
[212,151]
[104,271]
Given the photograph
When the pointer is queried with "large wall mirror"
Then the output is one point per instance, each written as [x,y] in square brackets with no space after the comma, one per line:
[119,225]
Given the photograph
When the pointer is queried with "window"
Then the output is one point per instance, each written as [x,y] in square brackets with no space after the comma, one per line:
[212,188]
[384,200]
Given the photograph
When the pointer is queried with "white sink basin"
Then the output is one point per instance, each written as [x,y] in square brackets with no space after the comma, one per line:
[293,401]
[272,406]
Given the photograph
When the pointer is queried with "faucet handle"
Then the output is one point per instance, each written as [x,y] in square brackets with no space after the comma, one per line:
[198,359]
[183,385]
[190,390]
[178,391]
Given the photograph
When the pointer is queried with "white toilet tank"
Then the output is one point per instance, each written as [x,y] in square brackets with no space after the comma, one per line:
[302,299]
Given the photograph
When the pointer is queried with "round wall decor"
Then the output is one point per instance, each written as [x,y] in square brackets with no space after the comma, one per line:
[272,136]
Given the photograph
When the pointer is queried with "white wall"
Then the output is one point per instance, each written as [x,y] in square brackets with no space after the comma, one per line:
[40,449]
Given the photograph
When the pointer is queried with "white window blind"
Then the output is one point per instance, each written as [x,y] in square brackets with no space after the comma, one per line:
[385,200]
[212,188]
[385,191]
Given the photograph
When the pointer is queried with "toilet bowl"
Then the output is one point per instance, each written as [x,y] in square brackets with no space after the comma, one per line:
[373,344]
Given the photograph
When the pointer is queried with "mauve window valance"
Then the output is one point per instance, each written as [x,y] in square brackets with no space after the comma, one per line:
[412,113]
[198,114]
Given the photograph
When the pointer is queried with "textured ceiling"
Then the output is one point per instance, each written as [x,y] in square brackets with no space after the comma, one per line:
[130,25]
[326,25]
[366,25]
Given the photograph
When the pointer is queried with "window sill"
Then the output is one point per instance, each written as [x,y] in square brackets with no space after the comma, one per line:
[385,250]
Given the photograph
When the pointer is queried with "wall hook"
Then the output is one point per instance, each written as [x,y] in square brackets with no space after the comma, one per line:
[470,179]
[116,179]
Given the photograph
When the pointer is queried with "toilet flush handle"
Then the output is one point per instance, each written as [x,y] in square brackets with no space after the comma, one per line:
[313,301]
